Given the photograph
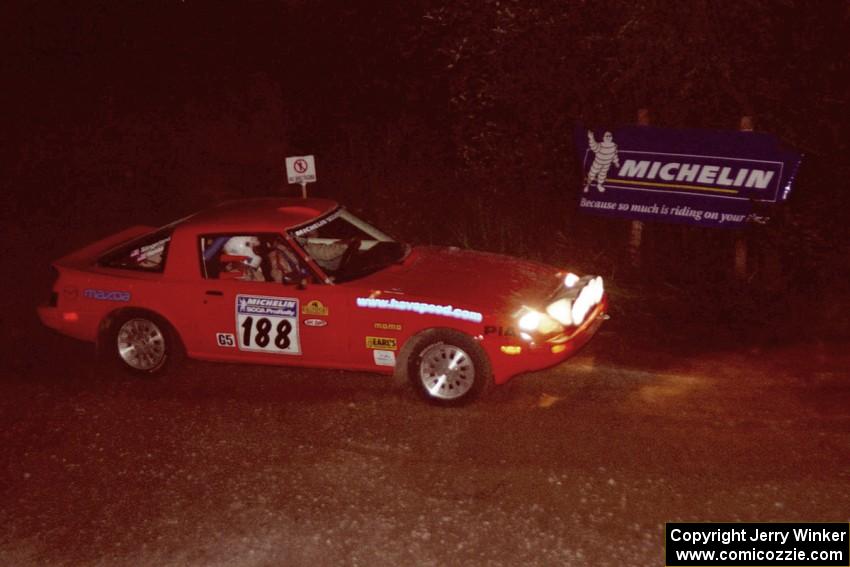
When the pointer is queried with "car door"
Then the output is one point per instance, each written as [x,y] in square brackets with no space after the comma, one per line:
[276,323]
[248,319]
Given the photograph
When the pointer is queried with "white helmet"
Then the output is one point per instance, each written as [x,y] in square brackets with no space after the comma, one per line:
[244,246]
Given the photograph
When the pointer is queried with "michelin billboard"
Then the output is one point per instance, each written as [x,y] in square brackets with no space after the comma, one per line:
[703,177]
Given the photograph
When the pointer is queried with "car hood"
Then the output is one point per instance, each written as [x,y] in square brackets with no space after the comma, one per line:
[467,279]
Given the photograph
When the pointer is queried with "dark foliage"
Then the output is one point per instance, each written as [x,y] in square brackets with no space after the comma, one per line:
[446,122]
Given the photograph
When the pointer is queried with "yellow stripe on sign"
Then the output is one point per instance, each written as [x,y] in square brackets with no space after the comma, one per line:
[673,186]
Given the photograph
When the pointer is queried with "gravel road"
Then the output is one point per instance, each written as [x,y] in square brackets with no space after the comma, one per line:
[250,466]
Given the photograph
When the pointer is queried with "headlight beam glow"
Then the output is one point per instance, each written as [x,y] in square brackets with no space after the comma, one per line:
[530,321]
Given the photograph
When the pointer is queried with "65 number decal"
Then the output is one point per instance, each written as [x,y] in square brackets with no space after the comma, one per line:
[225,340]
[267,324]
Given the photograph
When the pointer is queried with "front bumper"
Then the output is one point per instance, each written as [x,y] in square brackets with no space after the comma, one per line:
[544,355]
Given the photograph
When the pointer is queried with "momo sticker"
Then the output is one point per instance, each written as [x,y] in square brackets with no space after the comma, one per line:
[315,322]
[383,343]
[388,326]
[267,324]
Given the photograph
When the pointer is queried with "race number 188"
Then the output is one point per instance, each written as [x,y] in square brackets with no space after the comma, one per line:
[268,334]
[266,323]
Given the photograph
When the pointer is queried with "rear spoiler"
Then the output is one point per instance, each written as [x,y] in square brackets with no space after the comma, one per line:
[87,255]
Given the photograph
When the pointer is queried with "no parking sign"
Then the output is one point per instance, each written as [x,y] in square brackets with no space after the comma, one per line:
[301,169]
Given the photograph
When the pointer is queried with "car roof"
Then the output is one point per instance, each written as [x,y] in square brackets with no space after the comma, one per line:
[269,214]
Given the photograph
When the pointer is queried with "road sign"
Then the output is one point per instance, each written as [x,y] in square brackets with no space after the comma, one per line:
[716,178]
[301,169]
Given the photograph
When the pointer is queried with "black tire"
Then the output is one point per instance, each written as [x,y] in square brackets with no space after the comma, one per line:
[139,342]
[445,367]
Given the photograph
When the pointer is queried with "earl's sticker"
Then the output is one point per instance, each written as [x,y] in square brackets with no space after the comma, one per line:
[382,343]
[314,307]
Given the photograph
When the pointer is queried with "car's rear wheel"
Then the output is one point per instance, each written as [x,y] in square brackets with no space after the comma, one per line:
[445,366]
[140,342]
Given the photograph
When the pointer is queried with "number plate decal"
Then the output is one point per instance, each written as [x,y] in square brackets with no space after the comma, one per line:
[267,324]
[225,340]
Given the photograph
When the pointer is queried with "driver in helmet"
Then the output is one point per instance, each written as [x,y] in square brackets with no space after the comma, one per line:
[249,264]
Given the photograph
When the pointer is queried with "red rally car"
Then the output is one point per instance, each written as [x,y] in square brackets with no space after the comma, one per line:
[303,282]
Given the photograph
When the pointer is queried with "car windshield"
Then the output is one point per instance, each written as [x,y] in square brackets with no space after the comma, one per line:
[346,247]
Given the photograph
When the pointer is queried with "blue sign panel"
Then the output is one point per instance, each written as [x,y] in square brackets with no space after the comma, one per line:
[704,177]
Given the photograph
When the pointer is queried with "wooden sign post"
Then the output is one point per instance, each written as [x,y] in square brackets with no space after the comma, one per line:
[636,230]
[741,247]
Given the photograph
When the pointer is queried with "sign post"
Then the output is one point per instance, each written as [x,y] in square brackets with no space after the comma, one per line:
[636,234]
[301,170]
[741,248]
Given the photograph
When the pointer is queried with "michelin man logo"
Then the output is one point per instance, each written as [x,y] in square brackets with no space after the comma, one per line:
[605,153]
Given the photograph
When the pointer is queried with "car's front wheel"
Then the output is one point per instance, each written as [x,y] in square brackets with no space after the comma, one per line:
[445,366]
[140,343]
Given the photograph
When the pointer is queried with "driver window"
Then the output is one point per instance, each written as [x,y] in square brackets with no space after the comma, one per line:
[248,257]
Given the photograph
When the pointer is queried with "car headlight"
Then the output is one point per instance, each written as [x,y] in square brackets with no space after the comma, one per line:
[586,293]
[580,308]
[561,311]
[596,289]
[530,321]
[589,296]
[571,279]
[533,321]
